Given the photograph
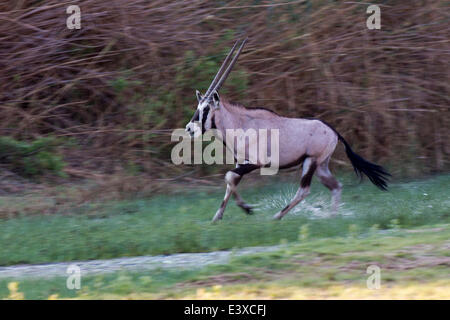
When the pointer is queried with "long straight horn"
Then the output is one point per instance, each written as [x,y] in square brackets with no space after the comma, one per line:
[222,67]
[227,72]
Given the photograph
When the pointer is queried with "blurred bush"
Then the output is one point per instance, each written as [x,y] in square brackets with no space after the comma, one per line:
[121,83]
[31,159]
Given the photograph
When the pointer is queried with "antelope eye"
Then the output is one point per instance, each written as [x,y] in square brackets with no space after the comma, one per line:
[205,114]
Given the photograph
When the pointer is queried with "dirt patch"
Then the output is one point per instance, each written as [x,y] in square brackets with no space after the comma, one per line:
[396,263]
[425,230]
[221,279]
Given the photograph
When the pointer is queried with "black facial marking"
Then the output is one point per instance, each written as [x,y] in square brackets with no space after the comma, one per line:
[204,117]
[213,122]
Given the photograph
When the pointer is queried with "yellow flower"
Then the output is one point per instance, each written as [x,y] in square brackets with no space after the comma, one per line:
[216,288]
[13,286]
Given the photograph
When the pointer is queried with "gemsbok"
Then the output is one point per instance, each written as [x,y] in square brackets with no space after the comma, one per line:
[310,142]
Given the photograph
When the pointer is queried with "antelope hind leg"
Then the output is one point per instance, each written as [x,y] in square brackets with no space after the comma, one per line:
[309,166]
[329,181]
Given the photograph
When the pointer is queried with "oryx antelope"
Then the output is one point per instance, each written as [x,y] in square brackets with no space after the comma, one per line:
[309,142]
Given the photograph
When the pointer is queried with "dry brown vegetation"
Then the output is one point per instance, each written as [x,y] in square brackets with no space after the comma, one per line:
[127,78]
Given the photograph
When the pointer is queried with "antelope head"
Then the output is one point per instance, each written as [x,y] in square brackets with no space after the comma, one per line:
[210,101]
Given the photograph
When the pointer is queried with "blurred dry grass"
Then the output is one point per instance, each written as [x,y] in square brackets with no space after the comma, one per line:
[125,80]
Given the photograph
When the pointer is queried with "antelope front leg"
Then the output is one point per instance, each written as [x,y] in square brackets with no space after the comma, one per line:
[219,213]
[230,178]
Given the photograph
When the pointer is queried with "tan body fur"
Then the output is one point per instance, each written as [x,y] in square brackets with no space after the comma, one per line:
[298,137]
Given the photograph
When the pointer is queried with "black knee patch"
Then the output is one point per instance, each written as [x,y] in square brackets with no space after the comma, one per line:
[306,180]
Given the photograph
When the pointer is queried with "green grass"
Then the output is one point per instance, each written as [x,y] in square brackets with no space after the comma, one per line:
[181,223]
[314,268]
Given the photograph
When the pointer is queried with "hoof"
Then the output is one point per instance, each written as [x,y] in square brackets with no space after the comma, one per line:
[278,216]
[247,209]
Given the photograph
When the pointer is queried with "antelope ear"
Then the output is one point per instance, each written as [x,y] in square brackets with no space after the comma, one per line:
[199,95]
[216,99]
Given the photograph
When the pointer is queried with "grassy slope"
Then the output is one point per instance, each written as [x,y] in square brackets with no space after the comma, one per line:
[414,265]
[168,224]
